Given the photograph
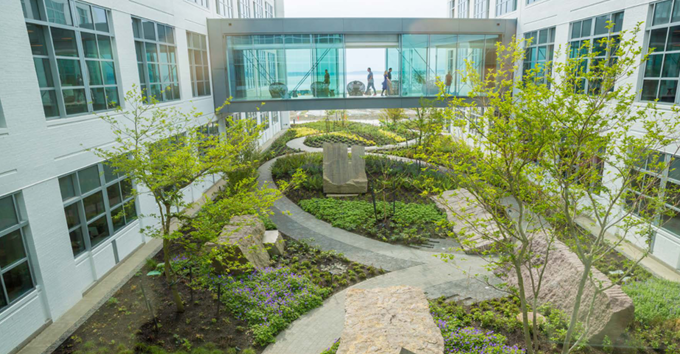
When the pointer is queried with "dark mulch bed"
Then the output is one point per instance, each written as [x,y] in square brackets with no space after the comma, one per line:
[124,321]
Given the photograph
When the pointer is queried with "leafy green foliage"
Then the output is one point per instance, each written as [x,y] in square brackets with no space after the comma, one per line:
[333,348]
[656,300]
[270,299]
[409,218]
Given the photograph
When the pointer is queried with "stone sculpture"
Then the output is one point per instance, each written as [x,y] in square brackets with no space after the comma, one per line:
[340,176]
[388,320]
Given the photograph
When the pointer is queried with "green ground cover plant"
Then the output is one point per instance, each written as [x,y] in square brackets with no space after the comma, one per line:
[409,222]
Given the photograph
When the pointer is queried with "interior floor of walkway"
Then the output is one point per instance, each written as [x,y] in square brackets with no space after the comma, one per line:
[318,329]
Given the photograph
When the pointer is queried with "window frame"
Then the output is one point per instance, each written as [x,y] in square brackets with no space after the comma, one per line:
[20,226]
[268,10]
[202,3]
[146,83]
[243,9]
[593,39]
[463,8]
[651,27]
[47,27]
[225,8]
[503,7]
[203,50]
[536,46]
[480,9]
[79,200]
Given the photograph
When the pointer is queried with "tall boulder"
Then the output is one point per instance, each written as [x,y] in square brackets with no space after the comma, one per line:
[612,309]
[240,243]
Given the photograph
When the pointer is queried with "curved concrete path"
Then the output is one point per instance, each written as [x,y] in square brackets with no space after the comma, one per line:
[299,144]
[318,329]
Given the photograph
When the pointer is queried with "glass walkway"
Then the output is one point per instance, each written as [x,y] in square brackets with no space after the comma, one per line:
[306,64]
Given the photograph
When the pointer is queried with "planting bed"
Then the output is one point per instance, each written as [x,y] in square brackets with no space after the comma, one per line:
[125,325]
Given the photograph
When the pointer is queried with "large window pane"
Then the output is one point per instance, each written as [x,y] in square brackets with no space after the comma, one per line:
[8,216]
[94,205]
[84,16]
[58,11]
[77,242]
[67,187]
[109,73]
[104,47]
[94,70]
[662,12]
[112,97]
[671,222]
[649,89]
[64,42]
[151,52]
[49,102]
[667,90]
[657,39]
[653,65]
[18,281]
[89,45]
[37,38]
[101,22]
[98,99]
[671,65]
[69,72]
[89,179]
[72,217]
[149,30]
[114,195]
[75,101]
[44,72]
[118,218]
[30,9]
[11,249]
[601,24]
[98,230]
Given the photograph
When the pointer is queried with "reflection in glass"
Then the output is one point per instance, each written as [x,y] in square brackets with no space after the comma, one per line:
[11,248]
[18,281]
[99,230]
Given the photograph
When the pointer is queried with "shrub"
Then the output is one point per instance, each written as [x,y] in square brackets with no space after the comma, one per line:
[333,348]
[269,300]
[472,340]
[656,300]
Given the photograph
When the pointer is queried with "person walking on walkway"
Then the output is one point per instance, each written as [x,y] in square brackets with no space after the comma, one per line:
[327,78]
[370,83]
[385,85]
[449,80]
[389,81]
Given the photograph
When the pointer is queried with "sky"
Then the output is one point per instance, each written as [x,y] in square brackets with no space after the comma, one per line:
[365,8]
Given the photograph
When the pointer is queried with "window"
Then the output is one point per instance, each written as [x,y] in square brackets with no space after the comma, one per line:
[198,60]
[463,8]
[225,8]
[203,3]
[532,1]
[156,59]
[481,9]
[16,277]
[662,70]
[264,119]
[452,8]
[666,182]
[275,118]
[505,6]
[243,9]
[269,10]
[2,117]
[97,204]
[539,52]
[73,55]
[258,9]
[587,36]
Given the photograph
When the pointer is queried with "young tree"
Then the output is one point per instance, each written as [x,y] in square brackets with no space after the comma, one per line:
[565,141]
[392,116]
[429,121]
[164,150]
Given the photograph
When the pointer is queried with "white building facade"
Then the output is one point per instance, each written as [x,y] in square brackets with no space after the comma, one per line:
[555,23]
[62,62]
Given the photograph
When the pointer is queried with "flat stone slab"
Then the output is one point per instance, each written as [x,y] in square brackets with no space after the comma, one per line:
[460,206]
[387,320]
[341,195]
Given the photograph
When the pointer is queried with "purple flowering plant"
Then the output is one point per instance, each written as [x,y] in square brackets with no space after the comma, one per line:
[269,299]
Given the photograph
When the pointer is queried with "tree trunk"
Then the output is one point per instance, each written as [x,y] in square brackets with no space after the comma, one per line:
[577,306]
[523,307]
[169,274]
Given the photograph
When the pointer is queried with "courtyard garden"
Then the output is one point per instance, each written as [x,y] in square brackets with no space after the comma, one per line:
[395,209]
